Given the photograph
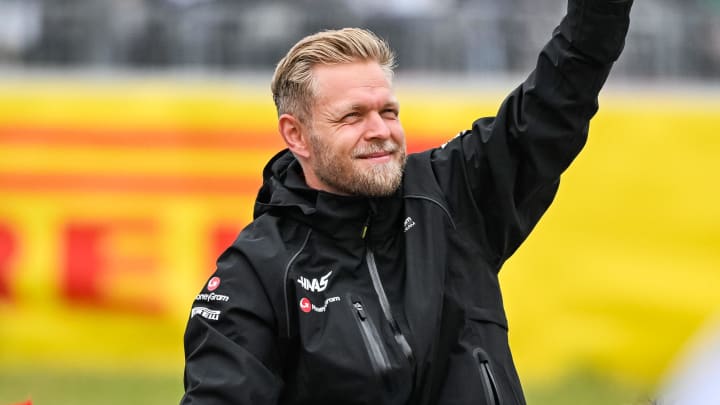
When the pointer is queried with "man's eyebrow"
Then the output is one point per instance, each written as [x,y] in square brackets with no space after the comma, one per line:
[361,107]
[349,107]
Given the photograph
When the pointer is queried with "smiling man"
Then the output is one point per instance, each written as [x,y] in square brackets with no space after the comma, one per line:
[371,277]
[350,142]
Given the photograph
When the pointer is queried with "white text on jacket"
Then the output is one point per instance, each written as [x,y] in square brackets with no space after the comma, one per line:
[313,284]
[205,313]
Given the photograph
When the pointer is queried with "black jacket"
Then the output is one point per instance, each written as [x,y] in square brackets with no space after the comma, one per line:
[326,300]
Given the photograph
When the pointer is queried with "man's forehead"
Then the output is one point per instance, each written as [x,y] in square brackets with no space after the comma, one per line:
[348,76]
[362,103]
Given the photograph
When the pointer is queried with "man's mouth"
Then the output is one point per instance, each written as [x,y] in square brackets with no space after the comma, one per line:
[377,152]
[377,157]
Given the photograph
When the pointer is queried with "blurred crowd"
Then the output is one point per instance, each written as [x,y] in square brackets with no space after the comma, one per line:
[668,38]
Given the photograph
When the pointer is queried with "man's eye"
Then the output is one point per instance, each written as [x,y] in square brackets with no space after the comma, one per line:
[390,113]
[351,116]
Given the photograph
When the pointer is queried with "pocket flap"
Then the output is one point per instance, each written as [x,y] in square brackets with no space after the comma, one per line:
[495,316]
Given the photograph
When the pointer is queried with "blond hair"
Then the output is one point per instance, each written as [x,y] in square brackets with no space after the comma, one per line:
[292,83]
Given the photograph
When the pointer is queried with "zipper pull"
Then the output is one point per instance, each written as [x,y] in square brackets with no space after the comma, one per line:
[365,227]
[402,341]
[360,310]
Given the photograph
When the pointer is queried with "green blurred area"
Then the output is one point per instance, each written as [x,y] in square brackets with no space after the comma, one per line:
[64,387]
[84,388]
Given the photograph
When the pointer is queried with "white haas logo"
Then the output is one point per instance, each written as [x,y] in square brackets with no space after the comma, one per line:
[313,284]
[409,223]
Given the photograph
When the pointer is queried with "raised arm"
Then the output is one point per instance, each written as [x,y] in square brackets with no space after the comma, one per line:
[505,171]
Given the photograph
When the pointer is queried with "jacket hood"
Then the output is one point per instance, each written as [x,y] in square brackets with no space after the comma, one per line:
[284,192]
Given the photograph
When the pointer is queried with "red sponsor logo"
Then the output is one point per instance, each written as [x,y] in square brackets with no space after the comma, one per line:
[305,305]
[213,283]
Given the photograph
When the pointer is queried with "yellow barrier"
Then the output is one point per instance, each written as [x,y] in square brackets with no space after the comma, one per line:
[116,199]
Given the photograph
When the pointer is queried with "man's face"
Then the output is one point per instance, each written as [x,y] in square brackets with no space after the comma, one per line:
[357,145]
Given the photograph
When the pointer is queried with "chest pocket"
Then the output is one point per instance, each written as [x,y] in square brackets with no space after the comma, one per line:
[347,353]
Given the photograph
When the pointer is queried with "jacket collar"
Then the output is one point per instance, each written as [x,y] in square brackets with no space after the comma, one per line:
[285,193]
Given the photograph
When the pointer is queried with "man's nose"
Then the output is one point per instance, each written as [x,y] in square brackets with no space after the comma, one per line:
[377,127]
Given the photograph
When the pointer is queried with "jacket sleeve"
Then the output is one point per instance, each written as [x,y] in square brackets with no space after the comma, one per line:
[503,174]
[231,353]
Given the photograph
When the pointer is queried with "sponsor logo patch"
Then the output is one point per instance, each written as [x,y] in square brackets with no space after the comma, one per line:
[213,284]
[409,223]
[307,306]
[313,284]
[205,313]
[212,297]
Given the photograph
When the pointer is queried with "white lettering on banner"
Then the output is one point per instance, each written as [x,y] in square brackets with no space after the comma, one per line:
[313,284]
[205,313]
[212,297]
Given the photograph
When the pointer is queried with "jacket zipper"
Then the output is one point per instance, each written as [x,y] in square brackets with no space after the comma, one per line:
[385,305]
[492,395]
[374,346]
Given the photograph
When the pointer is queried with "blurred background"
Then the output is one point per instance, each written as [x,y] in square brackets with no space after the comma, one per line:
[133,134]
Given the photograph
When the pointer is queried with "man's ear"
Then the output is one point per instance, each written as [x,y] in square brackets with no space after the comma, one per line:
[295,135]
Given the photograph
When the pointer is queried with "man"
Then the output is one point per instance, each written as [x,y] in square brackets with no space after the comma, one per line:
[369,277]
